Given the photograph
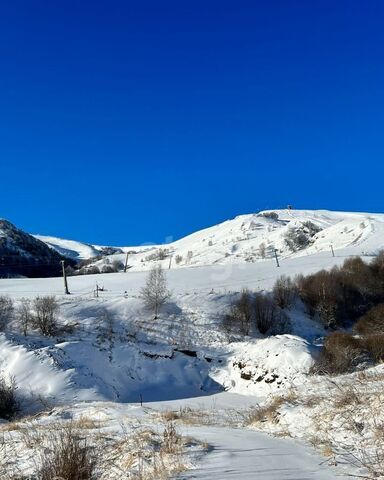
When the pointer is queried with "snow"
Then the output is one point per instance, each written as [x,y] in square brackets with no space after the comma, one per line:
[264,366]
[238,240]
[183,359]
[70,248]
[247,455]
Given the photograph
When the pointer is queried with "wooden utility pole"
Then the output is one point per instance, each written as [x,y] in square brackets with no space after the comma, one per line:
[333,252]
[126,263]
[277,260]
[66,291]
[170,262]
[97,291]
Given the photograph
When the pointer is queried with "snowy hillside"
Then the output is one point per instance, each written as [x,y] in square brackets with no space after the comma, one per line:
[70,248]
[23,255]
[251,238]
[110,353]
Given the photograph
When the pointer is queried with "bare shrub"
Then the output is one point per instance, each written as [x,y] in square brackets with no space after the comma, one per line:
[118,265]
[300,237]
[107,269]
[67,457]
[372,321]
[374,344]
[6,311]
[359,275]
[341,353]
[178,259]
[265,413]
[92,270]
[171,439]
[160,254]
[239,319]
[45,310]
[284,292]
[322,293]
[262,250]
[311,228]
[9,405]
[269,215]
[377,265]
[88,261]
[155,292]
[268,317]
[106,331]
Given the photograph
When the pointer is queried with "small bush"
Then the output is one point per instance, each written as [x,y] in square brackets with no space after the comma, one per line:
[300,237]
[107,269]
[374,344]
[118,265]
[268,317]
[240,317]
[92,270]
[6,311]
[359,276]
[341,353]
[372,321]
[262,250]
[265,413]
[45,310]
[269,215]
[377,266]
[171,441]
[9,405]
[67,457]
[160,254]
[178,259]
[323,294]
[284,292]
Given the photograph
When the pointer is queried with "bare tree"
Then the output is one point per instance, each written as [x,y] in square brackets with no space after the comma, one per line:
[155,292]
[238,320]
[284,292]
[45,314]
[262,250]
[24,315]
[6,311]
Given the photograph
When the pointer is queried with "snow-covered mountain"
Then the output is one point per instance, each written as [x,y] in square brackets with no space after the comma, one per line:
[110,353]
[247,238]
[22,254]
[70,248]
[250,238]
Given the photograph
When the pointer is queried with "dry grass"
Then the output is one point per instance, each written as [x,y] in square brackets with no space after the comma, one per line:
[192,416]
[265,413]
[83,448]
[67,456]
[189,416]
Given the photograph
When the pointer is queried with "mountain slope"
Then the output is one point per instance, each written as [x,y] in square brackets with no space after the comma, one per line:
[70,248]
[247,238]
[255,237]
[22,254]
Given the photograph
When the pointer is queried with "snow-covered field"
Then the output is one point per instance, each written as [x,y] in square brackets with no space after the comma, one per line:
[116,354]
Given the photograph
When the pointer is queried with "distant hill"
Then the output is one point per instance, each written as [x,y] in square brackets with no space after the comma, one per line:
[22,254]
[256,237]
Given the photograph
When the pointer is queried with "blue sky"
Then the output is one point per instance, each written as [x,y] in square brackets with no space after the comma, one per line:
[128,122]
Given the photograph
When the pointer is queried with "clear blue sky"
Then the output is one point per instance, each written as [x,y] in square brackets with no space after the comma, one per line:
[126,122]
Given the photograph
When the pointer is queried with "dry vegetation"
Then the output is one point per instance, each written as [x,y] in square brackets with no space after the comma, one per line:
[86,449]
[256,313]
[342,418]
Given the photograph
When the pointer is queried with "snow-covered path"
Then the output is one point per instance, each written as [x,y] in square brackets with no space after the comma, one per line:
[248,455]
